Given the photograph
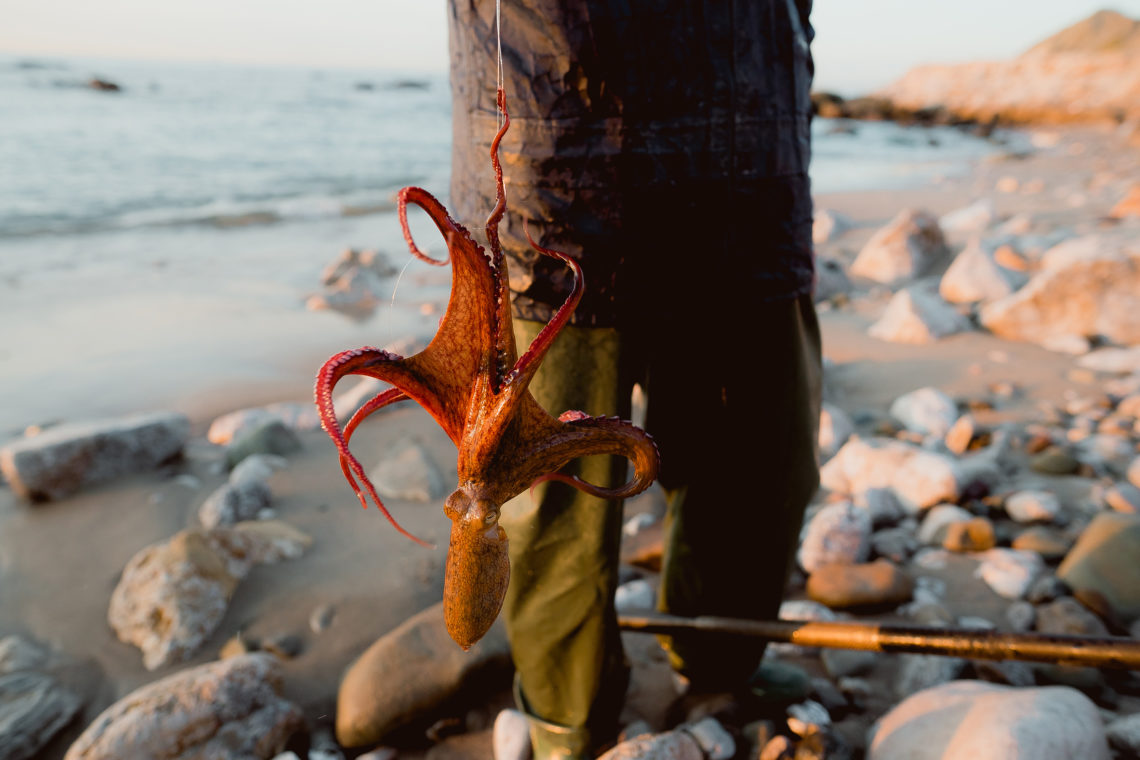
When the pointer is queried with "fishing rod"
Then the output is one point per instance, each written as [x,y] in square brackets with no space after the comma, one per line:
[1105,652]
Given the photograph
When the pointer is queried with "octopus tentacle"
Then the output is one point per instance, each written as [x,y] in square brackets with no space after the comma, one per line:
[435,210]
[378,402]
[501,338]
[362,361]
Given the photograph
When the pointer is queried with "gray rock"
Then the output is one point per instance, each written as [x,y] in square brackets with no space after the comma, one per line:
[1124,735]
[1009,672]
[917,316]
[1021,615]
[257,468]
[409,672]
[1048,543]
[321,618]
[408,473]
[928,411]
[232,503]
[226,710]
[270,437]
[807,717]
[635,595]
[1045,589]
[67,458]
[918,478]
[671,745]
[971,720]
[1120,361]
[840,663]
[839,533]
[896,544]
[173,594]
[828,225]
[932,531]
[1033,506]
[907,247]
[1133,472]
[714,740]
[972,218]
[18,653]
[975,276]
[1124,497]
[835,427]
[1069,617]
[1094,564]
[831,280]
[510,738]
[921,671]
[1009,572]
[33,709]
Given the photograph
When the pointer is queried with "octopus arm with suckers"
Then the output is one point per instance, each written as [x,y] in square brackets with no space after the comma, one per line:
[473,383]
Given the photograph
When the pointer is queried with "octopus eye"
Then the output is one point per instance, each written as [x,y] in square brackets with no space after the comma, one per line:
[492,517]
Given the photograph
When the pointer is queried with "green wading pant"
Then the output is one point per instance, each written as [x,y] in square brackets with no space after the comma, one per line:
[736,421]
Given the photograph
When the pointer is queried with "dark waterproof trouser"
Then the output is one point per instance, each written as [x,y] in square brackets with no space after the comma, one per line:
[739,424]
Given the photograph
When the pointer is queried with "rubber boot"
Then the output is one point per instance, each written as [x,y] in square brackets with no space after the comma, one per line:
[551,741]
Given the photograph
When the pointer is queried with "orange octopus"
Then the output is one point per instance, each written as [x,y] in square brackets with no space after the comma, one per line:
[473,383]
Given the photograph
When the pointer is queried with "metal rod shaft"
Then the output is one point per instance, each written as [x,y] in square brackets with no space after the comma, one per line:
[1118,653]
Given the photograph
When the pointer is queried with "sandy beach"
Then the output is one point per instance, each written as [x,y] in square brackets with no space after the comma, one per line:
[60,560]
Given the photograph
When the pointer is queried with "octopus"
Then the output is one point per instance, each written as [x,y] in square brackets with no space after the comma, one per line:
[472,381]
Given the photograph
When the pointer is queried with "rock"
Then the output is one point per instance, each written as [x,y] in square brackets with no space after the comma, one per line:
[715,742]
[1074,345]
[1033,506]
[173,594]
[33,709]
[510,738]
[1133,473]
[1046,589]
[883,506]
[896,544]
[928,411]
[973,535]
[407,473]
[835,427]
[409,672]
[635,595]
[283,645]
[917,316]
[1083,293]
[778,748]
[1127,206]
[1067,616]
[973,218]
[1094,563]
[1021,615]
[845,586]
[671,745]
[932,532]
[321,618]
[840,663]
[1048,543]
[1120,361]
[839,533]
[918,478]
[645,548]
[908,247]
[1054,461]
[257,468]
[961,434]
[975,277]
[1124,735]
[1009,572]
[226,710]
[831,280]
[971,720]
[1123,497]
[18,653]
[353,283]
[922,671]
[64,459]
[232,503]
[270,437]
[828,225]
[807,717]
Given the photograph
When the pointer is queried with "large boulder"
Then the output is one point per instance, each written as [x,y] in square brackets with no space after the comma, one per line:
[173,594]
[227,710]
[972,720]
[909,246]
[1087,287]
[1103,562]
[918,478]
[66,458]
[409,672]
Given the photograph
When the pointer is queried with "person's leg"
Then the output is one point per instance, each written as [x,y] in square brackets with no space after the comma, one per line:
[571,674]
[745,428]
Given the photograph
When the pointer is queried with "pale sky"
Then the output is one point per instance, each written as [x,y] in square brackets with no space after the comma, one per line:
[860,44]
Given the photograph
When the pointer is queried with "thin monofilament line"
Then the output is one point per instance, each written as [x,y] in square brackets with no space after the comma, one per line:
[392,302]
[499,81]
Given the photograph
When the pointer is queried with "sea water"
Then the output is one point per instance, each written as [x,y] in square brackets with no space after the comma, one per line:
[168,234]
